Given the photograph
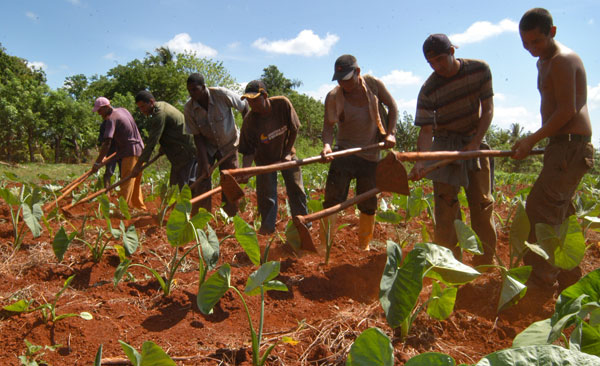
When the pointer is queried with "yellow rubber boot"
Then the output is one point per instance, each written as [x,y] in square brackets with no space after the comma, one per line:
[366,226]
[323,224]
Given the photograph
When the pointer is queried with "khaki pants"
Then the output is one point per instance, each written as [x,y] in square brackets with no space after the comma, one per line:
[131,190]
[481,206]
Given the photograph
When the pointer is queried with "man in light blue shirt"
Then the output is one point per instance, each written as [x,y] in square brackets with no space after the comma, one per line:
[209,118]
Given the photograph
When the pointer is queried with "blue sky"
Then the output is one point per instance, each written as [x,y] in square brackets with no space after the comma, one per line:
[303,39]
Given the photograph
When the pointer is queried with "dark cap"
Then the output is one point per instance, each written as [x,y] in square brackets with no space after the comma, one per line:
[254,89]
[344,67]
[437,43]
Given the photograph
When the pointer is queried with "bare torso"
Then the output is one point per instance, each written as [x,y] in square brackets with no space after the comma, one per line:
[554,76]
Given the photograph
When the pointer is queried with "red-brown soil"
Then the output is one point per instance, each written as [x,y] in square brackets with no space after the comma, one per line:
[327,306]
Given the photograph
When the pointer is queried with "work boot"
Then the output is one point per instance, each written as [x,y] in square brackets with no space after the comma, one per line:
[366,226]
[324,222]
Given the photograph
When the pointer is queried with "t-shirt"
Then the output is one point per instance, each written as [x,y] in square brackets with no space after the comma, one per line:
[265,136]
[121,128]
[453,104]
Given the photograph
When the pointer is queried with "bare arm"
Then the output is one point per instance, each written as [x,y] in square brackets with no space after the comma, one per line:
[328,125]
[103,151]
[424,142]
[487,113]
[386,98]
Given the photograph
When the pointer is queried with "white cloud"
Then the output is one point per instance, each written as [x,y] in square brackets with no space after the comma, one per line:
[594,97]
[504,117]
[400,78]
[321,92]
[37,65]
[499,97]
[234,45]
[32,16]
[305,44]
[110,56]
[482,30]
[408,106]
[182,42]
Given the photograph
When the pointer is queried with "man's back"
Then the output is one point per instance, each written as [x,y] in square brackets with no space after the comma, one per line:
[562,80]
[121,128]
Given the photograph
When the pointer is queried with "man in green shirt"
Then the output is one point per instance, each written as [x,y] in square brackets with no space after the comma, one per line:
[166,126]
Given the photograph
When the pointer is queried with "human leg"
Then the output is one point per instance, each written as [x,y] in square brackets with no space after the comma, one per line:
[481,207]
[294,188]
[230,208]
[131,189]
[365,181]
[266,198]
[446,210]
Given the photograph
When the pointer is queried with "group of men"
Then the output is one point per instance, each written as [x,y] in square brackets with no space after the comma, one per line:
[454,112]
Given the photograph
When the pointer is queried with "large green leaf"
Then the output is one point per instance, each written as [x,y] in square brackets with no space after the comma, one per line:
[431,359]
[266,272]
[130,238]
[179,230]
[371,348]
[134,356]
[61,242]
[442,301]
[104,206]
[444,267]
[98,358]
[391,217]
[213,289]
[520,274]
[589,341]
[538,355]
[153,355]
[467,239]
[292,236]
[535,334]
[246,236]
[124,208]
[210,246]
[519,231]
[564,245]
[9,197]
[32,216]
[400,286]
[512,291]
[17,307]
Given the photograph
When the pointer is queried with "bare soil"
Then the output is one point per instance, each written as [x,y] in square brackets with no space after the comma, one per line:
[326,308]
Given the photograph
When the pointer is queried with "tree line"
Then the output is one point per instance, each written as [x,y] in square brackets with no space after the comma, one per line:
[45,125]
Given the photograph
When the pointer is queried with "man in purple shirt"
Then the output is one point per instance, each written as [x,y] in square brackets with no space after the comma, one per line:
[121,129]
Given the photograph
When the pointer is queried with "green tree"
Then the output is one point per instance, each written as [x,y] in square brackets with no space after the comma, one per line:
[276,83]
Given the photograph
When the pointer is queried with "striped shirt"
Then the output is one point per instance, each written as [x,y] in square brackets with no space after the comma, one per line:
[454,104]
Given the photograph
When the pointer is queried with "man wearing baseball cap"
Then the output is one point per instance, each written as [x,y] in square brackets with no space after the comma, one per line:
[268,135]
[454,110]
[356,106]
[209,118]
[120,129]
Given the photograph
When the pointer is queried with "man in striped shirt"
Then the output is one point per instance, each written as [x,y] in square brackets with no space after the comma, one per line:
[454,110]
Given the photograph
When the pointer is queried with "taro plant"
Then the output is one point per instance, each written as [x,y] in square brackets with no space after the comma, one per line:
[371,348]
[24,201]
[181,229]
[529,355]
[577,310]
[97,246]
[48,310]
[168,196]
[151,355]
[259,282]
[34,353]
[402,281]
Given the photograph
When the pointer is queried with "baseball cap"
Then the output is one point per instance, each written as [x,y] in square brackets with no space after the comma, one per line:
[254,89]
[344,67]
[100,102]
[437,43]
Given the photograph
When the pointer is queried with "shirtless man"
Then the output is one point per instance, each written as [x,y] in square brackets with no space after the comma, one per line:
[565,121]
